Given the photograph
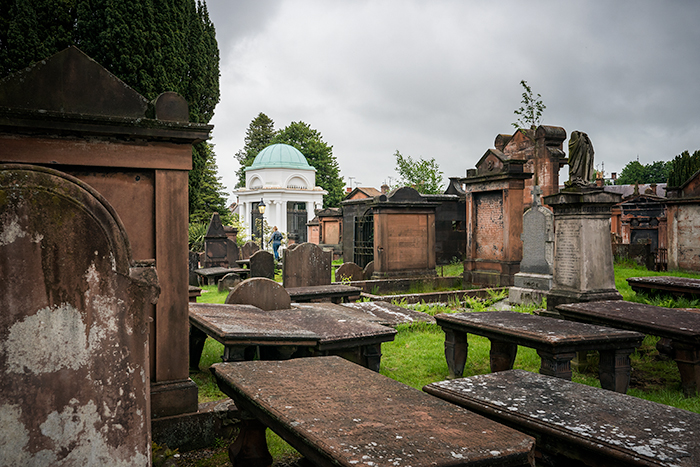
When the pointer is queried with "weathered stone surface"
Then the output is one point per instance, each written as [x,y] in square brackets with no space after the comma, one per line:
[369,270]
[583,261]
[248,249]
[74,326]
[261,292]
[306,265]
[262,264]
[578,421]
[215,244]
[233,253]
[193,265]
[535,276]
[349,272]
[229,281]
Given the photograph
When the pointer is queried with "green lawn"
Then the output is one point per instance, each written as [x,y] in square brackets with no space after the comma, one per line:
[416,356]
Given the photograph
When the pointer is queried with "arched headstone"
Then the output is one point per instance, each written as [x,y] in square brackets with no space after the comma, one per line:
[349,272]
[262,264]
[229,281]
[248,250]
[263,293]
[306,265]
[73,328]
[369,270]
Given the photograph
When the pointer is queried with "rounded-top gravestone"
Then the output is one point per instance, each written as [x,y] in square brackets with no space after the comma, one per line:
[263,293]
[349,272]
[262,264]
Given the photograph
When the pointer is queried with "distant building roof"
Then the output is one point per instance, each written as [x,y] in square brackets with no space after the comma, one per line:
[628,190]
[280,156]
[363,192]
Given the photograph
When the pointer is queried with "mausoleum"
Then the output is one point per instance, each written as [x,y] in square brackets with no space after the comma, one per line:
[283,180]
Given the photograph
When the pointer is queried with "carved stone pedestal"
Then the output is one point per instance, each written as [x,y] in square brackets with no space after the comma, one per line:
[583,260]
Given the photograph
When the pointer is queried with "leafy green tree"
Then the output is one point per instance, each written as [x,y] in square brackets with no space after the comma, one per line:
[682,167]
[530,111]
[151,45]
[423,175]
[635,172]
[257,137]
[319,155]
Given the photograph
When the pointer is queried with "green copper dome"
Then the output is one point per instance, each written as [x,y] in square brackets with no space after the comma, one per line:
[280,156]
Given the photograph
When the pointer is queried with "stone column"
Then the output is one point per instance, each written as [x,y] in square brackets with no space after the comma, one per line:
[583,260]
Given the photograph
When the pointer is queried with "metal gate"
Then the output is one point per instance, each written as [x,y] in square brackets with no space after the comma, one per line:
[296,220]
[364,239]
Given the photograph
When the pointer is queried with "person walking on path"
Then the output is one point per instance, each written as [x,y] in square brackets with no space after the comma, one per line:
[276,240]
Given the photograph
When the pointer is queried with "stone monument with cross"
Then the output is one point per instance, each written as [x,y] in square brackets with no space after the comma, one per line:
[534,280]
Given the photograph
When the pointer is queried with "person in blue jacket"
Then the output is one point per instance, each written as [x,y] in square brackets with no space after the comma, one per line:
[276,240]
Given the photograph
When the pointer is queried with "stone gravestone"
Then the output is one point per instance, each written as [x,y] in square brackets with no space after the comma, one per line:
[73,328]
[233,253]
[193,265]
[215,244]
[229,281]
[349,272]
[583,261]
[535,277]
[262,264]
[263,293]
[248,249]
[306,265]
[369,270]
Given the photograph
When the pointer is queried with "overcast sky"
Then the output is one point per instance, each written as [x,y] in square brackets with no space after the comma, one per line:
[440,79]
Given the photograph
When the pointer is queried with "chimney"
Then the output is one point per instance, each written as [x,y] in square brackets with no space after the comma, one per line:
[385,189]
[652,187]
[614,176]
[348,189]
[599,179]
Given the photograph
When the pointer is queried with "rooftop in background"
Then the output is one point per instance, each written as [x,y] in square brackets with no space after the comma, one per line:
[280,156]
[644,189]
[363,192]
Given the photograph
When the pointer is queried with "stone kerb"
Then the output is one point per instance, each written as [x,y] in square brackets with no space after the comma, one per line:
[306,265]
[261,292]
[349,272]
[262,264]
[248,250]
[74,327]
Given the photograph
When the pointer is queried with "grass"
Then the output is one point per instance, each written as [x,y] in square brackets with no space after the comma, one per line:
[416,356]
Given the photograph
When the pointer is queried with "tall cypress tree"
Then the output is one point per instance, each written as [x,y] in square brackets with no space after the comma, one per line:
[152,45]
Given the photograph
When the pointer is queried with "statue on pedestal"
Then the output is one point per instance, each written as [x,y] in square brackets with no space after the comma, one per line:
[581,172]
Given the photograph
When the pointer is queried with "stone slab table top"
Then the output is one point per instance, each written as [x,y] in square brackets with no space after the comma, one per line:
[556,341]
[303,331]
[580,422]
[336,413]
[676,285]
[390,314]
[682,327]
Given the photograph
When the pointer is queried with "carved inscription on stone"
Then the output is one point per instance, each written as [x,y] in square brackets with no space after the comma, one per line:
[568,255]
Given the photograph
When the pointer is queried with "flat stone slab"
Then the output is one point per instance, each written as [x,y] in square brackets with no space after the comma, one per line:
[674,323]
[307,331]
[579,421]
[556,341]
[675,285]
[333,292]
[390,314]
[213,275]
[680,326]
[336,413]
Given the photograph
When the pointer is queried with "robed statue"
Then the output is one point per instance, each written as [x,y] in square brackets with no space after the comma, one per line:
[581,172]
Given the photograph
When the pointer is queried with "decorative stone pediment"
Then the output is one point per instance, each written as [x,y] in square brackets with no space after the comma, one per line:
[492,162]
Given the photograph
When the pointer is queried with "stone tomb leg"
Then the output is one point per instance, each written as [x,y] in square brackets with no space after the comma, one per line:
[73,327]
